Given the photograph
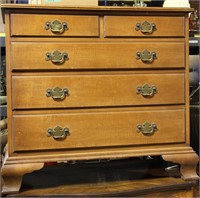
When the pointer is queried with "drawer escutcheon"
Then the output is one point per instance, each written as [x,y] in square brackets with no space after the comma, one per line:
[146,128]
[57,93]
[58,133]
[56,57]
[145,27]
[146,56]
[56,26]
[146,90]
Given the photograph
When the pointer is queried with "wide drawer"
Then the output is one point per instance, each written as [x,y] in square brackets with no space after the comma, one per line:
[63,91]
[144,26]
[97,129]
[57,56]
[54,25]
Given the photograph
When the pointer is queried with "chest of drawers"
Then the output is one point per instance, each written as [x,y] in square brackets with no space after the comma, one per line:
[95,83]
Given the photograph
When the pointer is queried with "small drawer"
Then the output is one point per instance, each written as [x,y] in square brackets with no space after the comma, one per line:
[144,26]
[54,25]
[67,91]
[59,56]
[97,129]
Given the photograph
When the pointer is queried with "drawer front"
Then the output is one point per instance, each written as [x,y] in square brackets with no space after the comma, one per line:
[96,90]
[54,25]
[144,26]
[58,56]
[97,129]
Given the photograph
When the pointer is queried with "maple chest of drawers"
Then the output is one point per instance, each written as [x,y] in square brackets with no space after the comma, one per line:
[94,83]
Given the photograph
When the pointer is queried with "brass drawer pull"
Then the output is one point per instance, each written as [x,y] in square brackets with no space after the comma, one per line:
[56,57]
[146,90]
[56,26]
[146,56]
[57,93]
[145,27]
[147,128]
[58,133]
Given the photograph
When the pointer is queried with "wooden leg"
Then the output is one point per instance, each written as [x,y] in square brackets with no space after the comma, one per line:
[12,175]
[188,163]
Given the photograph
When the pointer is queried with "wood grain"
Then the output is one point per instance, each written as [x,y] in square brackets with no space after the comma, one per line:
[188,164]
[132,177]
[124,26]
[96,90]
[101,113]
[78,26]
[12,174]
[99,8]
[97,129]
[97,55]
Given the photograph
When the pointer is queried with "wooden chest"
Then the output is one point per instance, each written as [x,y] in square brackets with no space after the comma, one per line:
[94,83]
